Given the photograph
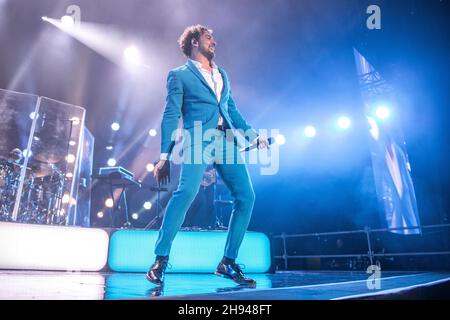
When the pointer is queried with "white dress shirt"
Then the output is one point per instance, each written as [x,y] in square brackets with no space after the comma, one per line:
[213,78]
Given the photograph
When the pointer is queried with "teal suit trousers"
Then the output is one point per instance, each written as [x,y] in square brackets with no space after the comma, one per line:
[237,179]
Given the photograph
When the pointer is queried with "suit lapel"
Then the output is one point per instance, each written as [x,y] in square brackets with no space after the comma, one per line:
[225,84]
[194,69]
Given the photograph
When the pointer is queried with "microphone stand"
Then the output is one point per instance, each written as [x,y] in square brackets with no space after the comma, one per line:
[159,210]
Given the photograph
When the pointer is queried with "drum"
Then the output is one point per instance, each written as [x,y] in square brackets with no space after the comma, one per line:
[42,199]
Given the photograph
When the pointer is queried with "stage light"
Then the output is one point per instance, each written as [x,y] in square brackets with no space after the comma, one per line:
[27,153]
[280,139]
[75,121]
[150,167]
[65,198]
[132,251]
[115,126]
[382,112]
[152,132]
[110,147]
[344,122]
[310,131]
[69,175]
[109,203]
[44,18]
[135,216]
[72,143]
[132,55]
[111,162]
[100,214]
[147,205]
[33,115]
[70,158]
[67,21]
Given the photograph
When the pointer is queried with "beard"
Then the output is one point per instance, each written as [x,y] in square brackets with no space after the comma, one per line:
[208,54]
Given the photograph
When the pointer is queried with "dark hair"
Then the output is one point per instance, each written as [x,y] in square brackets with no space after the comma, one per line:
[191,32]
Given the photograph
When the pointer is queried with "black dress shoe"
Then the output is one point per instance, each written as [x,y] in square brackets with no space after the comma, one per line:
[156,291]
[233,271]
[157,271]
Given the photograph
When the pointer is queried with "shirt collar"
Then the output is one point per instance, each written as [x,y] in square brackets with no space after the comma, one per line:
[200,66]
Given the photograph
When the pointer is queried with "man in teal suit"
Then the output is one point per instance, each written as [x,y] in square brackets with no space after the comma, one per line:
[199,92]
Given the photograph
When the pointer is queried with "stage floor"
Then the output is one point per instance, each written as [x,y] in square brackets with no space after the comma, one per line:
[292,285]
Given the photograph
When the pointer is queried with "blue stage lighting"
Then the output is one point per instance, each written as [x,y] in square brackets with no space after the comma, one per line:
[310,131]
[111,162]
[344,122]
[382,112]
[147,205]
[132,251]
[115,126]
[280,139]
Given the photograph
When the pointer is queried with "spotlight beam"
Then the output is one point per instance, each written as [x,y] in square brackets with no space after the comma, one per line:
[105,40]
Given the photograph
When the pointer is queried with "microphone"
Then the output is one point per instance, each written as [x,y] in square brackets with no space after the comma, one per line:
[255,145]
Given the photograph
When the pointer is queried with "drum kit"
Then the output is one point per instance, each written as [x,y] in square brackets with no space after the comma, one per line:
[42,192]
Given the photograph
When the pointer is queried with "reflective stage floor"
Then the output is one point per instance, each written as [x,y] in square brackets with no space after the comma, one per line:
[292,285]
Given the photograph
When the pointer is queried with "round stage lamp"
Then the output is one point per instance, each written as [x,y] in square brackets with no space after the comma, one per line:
[150,167]
[111,162]
[382,112]
[147,205]
[280,139]
[67,21]
[310,131]
[115,126]
[344,122]
[109,203]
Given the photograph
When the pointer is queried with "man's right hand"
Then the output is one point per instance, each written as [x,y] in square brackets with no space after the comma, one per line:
[162,172]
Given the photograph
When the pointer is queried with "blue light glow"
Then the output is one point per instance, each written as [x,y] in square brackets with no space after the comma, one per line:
[310,131]
[280,139]
[382,112]
[192,252]
[115,126]
[111,162]
[344,122]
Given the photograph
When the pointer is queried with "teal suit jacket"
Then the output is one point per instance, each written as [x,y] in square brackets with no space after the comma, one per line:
[190,96]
